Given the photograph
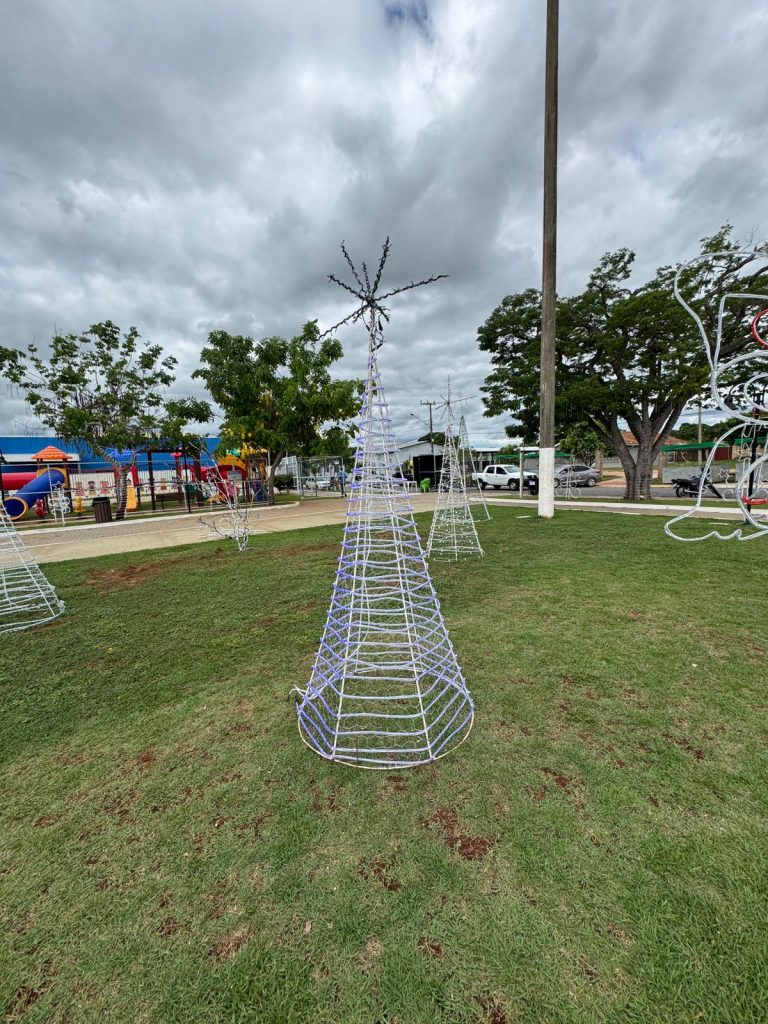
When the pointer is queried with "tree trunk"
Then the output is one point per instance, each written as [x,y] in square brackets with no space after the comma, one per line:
[643,470]
[121,477]
[271,482]
[121,491]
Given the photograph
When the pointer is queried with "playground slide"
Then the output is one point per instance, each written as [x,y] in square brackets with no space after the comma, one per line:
[13,481]
[39,487]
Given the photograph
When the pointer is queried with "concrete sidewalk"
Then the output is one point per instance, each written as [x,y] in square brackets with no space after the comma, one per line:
[61,544]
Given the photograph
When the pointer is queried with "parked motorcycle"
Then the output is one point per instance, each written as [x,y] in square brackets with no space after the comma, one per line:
[688,487]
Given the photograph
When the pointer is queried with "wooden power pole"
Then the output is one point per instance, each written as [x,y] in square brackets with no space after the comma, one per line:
[549,273]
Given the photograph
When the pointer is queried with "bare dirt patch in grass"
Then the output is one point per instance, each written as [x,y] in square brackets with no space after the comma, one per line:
[617,933]
[120,805]
[392,785]
[168,928]
[573,787]
[146,759]
[47,820]
[379,869]
[63,620]
[685,744]
[106,581]
[24,998]
[494,1012]
[367,957]
[253,827]
[467,846]
[229,945]
[433,949]
[322,801]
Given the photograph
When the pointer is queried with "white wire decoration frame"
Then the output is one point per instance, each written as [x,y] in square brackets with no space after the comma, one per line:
[233,522]
[453,534]
[26,597]
[474,491]
[747,401]
[386,689]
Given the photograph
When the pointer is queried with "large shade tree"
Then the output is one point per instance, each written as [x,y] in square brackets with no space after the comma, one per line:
[625,356]
[106,390]
[278,394]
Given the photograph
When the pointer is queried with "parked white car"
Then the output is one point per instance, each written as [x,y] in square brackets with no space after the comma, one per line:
[506,476]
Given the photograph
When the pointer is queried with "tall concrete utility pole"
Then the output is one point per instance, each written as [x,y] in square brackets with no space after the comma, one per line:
[549,274]
[431,439]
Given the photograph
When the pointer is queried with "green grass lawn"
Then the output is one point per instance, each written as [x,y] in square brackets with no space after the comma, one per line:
[596,852]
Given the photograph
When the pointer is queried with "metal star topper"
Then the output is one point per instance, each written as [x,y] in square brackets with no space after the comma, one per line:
[371,310]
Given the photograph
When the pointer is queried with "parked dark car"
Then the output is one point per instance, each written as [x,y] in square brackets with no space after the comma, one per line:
[579,474]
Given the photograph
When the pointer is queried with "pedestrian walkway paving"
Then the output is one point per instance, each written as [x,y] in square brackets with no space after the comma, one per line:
[88,540]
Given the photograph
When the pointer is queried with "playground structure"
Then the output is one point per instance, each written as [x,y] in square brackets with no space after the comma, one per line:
[26,597]
[181,477]
[386,690]
[32,486]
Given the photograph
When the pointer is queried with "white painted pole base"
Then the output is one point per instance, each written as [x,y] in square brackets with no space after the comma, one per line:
[546,483]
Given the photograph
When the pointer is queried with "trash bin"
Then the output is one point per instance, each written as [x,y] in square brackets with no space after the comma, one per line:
[102,510]
[533,487]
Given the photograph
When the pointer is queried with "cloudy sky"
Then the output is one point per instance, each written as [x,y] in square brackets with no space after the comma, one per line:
[187,166]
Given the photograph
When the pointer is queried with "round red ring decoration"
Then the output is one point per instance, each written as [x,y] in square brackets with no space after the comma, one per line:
[755,333]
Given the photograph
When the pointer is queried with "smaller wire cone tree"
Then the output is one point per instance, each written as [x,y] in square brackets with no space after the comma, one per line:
[26,597]
[453,535]
[475,494]
[386,689]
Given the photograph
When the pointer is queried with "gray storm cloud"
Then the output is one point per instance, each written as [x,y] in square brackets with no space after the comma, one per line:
[190,166]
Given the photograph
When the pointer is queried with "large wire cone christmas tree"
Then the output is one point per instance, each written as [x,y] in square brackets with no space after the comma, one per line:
[453,535]
[26,597]
[386,689]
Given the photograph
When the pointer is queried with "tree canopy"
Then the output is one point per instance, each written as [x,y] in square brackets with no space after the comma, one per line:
[625,356]
[278,394]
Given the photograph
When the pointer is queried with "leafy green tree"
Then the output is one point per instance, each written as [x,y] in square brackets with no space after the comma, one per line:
[334,442]
[106,390]
[582,441]
[513,450]
[689,432]
[625,357]
[278,395]
[436,437]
